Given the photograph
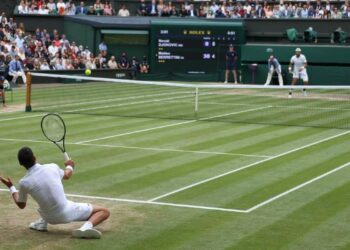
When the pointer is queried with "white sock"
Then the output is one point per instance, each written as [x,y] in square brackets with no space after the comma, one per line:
[87,225]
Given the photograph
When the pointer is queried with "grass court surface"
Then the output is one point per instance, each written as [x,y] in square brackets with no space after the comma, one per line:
[251,170]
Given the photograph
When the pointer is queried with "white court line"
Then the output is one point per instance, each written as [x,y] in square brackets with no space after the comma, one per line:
[297,187]
[209,207]
[151,203]
[141,148]
[246,166]
[173,150]
[18,118]
[172,125]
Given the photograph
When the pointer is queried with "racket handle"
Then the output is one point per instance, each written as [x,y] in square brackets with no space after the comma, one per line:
[66,156]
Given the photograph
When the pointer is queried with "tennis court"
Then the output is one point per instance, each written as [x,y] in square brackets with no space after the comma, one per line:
[250,168]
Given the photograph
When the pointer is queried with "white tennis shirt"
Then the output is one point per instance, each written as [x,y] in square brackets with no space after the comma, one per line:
[44,184]
[298,62]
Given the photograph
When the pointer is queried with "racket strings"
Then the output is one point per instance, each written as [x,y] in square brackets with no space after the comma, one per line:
[53,128]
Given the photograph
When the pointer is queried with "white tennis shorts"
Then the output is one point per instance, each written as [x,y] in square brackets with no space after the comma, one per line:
[301,75]
[73,212]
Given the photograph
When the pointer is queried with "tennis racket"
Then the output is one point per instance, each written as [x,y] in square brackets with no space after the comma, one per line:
[54,130]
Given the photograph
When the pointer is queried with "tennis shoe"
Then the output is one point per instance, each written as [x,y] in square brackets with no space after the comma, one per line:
[39,225]
[289,95]
[225,82]
[236,82]
[87,233]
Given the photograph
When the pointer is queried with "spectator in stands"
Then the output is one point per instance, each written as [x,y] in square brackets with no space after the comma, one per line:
[173,11]
[16,70]
[59,64]
[51,5]
[123,62]
[183,11]
[210,14]
[214,7]
[22,54]
[346,13]
[165,11]
[3,18]
[142,9]
[108,9]
[61,7]
[152,9]
[98,6]
[335,14]
[134,66]
[43,10]
[123,12]
[192,12]
[144,66]
[23,7]
[102,47]
[112,64]
[91,11]
[90,63]
[81,10]
[13,51]
[160,7]
[44,65]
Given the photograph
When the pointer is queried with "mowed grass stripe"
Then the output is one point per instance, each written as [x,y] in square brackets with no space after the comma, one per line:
[203,163]
[299,222]
[224,230]
[133,166]
[196,136]
[202,192]
[280,184]
[178,173]
[320,235]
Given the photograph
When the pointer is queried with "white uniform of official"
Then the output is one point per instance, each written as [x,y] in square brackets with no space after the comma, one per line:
[44,184]
[299,63]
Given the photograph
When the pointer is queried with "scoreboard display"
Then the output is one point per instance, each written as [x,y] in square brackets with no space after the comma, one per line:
[192,47]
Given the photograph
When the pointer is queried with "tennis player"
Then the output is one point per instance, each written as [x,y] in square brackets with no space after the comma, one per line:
[273,66]
[44,184]
[3,83]
[297,67]
[231,63]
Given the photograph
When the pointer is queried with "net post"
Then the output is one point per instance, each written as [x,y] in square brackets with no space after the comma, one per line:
[28,92]
[196,100]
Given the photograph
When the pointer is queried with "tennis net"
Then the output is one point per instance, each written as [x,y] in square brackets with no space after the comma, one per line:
[318,106]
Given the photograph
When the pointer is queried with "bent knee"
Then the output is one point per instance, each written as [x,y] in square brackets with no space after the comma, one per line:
[106,212]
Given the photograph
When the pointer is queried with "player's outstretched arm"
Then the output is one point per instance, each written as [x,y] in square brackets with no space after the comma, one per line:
[68,172]
[13,191]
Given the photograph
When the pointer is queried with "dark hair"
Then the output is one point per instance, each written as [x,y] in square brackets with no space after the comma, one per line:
[26,157]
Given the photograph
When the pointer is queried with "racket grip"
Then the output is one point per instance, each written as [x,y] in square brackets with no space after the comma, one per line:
[66,156]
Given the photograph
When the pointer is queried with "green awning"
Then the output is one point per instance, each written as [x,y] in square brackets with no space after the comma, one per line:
[124,32]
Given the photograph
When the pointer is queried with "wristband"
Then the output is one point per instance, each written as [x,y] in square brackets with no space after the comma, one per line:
[13,189]
[69,168]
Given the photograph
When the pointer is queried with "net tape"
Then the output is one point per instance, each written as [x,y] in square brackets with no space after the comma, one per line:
[193,86]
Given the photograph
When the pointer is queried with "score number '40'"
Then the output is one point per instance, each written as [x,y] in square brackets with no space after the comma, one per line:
[208,56]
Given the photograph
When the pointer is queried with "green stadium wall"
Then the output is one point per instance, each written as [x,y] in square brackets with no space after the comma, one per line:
[328,64]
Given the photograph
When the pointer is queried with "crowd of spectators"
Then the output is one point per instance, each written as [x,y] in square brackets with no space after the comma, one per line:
[206,9]
[44,50]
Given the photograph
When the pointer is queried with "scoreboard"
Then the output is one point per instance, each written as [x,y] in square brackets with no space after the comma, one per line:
[192,47]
